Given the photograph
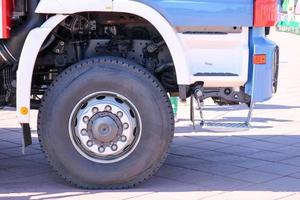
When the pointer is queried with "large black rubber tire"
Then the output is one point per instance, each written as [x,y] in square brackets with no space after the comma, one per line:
[115,75]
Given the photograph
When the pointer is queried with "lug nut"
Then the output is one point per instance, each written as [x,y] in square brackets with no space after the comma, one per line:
[101,149]
[89,143]
[125,126]
[123,138]
[95,110]
[83,132]
[227,91]
[114,147]
[86,119]
[108,108]
[120,114]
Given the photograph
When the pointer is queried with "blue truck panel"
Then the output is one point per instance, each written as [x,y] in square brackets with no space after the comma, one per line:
[260,77]
[205,12]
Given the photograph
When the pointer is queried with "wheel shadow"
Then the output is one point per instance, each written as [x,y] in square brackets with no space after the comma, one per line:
[193,165]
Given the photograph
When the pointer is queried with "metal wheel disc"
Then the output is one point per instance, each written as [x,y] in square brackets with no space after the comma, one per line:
[105,127]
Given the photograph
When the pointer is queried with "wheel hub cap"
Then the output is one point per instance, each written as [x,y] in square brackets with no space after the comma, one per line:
[104,128]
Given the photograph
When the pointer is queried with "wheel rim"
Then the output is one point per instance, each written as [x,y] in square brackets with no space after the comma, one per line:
[105,127]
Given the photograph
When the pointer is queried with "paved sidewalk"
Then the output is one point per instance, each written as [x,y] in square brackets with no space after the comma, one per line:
[260,164]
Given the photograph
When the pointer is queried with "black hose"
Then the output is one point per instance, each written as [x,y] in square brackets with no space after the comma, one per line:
[10,49]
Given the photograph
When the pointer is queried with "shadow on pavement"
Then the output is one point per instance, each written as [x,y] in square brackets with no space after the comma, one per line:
[256,123]
[205,164]
[244,107]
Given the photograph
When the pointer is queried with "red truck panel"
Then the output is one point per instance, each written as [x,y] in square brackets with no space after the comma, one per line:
[6,18]
[265,13]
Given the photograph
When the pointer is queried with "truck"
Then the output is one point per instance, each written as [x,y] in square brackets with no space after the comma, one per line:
[101,72]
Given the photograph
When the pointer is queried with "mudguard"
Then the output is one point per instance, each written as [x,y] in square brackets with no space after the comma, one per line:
[30,50]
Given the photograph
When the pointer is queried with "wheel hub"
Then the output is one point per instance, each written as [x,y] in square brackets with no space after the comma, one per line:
[104,127]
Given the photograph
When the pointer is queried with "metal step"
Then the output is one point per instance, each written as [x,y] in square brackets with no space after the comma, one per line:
[217,126]
[225,126]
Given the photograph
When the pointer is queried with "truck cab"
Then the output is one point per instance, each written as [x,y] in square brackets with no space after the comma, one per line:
[101,73]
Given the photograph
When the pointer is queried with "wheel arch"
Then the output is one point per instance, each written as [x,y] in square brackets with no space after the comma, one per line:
[37,36]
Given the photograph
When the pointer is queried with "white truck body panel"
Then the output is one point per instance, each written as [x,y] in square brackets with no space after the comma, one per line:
[73,6]
[217,53]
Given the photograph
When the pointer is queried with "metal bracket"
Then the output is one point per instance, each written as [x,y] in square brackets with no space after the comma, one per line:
[197,94]
[27,140]
[192,112]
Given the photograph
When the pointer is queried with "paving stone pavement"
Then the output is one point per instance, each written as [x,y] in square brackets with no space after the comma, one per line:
[259,164]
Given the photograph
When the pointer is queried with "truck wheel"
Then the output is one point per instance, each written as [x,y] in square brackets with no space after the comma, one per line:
[105,123]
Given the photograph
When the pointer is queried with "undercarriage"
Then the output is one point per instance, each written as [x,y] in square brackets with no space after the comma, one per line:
[92,35]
